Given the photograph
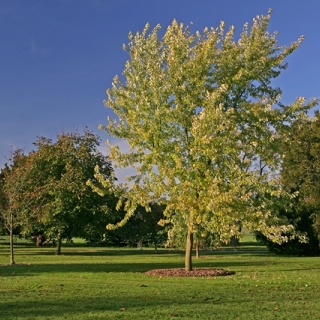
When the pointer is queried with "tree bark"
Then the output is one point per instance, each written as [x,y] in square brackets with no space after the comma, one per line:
[58,251]
[197,248]
[188,257]
[39,240]
[12,262]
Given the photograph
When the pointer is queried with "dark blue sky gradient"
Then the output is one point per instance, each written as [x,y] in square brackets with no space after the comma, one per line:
[57,58]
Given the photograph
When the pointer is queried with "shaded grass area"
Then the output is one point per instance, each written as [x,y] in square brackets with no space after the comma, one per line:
[109,283]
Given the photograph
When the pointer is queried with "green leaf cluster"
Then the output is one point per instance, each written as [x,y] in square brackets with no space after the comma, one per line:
[300,176]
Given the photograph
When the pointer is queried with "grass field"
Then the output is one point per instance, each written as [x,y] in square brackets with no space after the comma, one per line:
[103,283]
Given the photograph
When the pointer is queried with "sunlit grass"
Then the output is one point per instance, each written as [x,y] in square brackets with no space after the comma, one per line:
[109,283]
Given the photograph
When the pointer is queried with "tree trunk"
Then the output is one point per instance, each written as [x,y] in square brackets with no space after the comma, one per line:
[155,247]
[58,251]
[39,240]
[188,258]
[197,248]
[11,248]
[234,241]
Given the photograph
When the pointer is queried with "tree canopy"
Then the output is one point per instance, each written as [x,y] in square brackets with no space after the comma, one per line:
[301,164]
[69,207]
[300,175]
[19,198]
[201,114]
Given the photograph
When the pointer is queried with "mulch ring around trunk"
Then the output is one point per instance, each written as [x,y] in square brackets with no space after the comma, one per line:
[196,272]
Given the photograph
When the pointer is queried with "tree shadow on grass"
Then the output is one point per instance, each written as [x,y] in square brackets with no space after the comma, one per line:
[116,267]
[141,262]
[92,251]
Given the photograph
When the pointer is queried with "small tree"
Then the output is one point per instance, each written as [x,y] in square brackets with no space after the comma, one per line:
[199,112]
[17,201]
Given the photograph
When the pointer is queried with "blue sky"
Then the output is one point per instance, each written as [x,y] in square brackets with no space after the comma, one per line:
[58,57]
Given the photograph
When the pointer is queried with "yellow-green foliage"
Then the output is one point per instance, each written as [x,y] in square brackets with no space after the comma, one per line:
[202,120]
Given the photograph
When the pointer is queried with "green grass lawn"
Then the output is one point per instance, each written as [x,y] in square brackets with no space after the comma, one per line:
[103,283]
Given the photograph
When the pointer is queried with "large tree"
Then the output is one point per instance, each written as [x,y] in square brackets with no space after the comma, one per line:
[200,112]
[301,176]
[70,208]
[301,163]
